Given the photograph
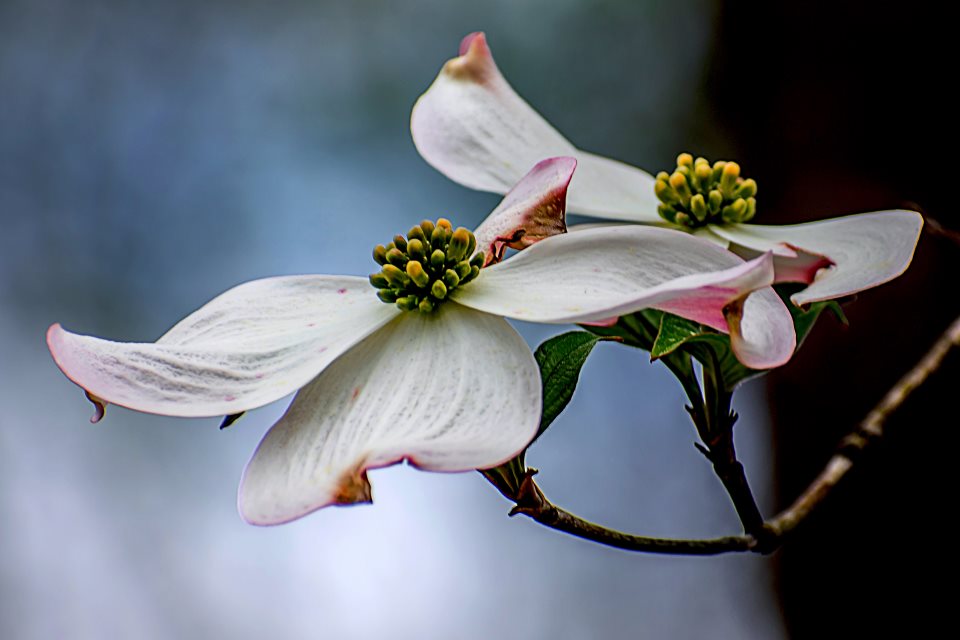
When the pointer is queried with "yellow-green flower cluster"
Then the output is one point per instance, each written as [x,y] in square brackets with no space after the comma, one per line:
[420,270]
[697,194]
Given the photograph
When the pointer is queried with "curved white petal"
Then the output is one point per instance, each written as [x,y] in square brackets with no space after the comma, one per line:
[474,128]
[599,273]
[707,234]
[866,250]
[762,334]
[453,391]
[249,346]
[534,209]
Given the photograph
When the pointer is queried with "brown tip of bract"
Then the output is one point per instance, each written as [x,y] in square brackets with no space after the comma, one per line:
[474,61]
[353,488]
[468,40]
[100,407]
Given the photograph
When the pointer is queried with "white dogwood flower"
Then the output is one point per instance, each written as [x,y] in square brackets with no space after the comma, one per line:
[474,128]
[436,376]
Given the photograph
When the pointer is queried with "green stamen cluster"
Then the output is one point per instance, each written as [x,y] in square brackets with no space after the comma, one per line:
[420,270]
[697,193]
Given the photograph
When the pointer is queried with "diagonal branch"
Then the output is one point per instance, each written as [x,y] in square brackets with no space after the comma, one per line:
[531,502]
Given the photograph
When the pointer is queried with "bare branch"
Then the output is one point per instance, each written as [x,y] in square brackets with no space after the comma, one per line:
[532,503]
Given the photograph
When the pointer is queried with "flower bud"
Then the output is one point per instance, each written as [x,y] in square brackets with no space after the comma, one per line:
[408,303]
[728,181]
[734,212]
[416,233]
[665,192]
[437,259]
[747,189]
[396,257]
[450,278]
[698,206]
[417,274]
[387,295]
[394,276]
[415,250]
[667,212]
[439,238]
[679,183]
[459,243]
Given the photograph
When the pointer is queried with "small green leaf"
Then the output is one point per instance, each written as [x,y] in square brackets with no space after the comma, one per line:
[674,332]
[804,319]
[560,359]
[679,335]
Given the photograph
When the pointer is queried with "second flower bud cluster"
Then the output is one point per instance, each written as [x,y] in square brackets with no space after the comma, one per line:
[420,270]
[697,193]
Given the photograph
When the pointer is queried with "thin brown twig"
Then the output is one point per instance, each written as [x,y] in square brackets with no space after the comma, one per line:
[869,430]
[531,502]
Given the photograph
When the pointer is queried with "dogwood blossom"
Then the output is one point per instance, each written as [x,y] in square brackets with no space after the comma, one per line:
[448,384]
[474,128]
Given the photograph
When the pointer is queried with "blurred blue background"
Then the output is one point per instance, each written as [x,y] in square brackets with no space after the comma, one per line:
[153,155]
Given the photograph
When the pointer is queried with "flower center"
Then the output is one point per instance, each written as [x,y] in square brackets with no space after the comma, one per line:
[421,269]
[697,194]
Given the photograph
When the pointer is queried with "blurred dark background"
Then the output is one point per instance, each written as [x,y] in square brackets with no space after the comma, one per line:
[155,154]
[840,108]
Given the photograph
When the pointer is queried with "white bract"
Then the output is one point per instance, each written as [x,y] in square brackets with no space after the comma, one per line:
[453,389]
[474,128]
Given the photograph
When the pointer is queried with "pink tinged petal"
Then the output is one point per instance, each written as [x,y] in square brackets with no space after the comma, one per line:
[595,274]
[246,348]
[866,250]
[474,128]
[803,267]
[762,334]
[533,210]
[453,391]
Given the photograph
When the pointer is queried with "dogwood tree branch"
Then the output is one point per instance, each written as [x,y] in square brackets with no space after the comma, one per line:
[870,430]
[531,502]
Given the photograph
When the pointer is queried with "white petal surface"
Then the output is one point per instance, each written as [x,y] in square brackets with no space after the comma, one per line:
[453,391]
[762,334]
[867,249]
[474,128]
[533,210]
[249,346]
[599,273]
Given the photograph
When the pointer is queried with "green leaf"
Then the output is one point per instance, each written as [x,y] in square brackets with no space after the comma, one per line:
[804,319]
[712,349]
[560,359]
[674,332]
